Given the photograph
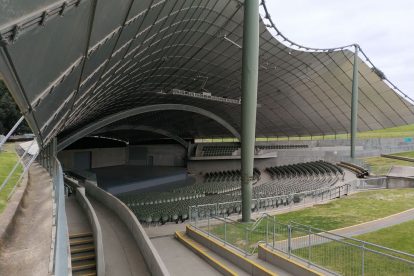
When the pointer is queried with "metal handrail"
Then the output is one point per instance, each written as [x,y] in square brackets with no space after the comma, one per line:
[350,238]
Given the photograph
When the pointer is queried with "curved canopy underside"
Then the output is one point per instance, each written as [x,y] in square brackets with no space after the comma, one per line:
[71,63]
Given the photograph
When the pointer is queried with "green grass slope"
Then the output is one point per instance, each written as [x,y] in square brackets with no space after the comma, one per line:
[8,159]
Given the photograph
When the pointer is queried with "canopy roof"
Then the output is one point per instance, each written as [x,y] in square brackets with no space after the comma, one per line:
[74,66]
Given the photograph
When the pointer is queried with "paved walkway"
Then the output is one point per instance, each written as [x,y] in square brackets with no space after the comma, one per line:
[122,255]
[375,225]
[26,251]
[350,231]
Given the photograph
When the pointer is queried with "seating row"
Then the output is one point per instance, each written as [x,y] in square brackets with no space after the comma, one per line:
[224,186]
[359,171]
[228,150]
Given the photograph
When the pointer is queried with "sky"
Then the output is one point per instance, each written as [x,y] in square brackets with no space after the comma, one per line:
[383,28]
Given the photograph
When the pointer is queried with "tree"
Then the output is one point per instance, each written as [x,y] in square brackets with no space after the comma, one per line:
[9,112]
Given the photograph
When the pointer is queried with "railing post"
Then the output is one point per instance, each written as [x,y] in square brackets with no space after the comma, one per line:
[363,259]
[196,217]
[274,230]
[208,225]
[225,230]
[289,239]
[267,230]
[309,245]
[247,240]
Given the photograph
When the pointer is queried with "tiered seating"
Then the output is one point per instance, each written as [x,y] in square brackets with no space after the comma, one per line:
[222,176]
[224,186]
[298,178]
[360,172]
[173,205]
[174,211]
[229,150]
[219,150]
[268,147]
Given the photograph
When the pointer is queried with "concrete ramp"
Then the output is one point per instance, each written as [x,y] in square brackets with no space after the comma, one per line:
[401,171]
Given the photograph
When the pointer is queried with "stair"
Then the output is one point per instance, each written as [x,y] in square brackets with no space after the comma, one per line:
[82,250]
[217,262]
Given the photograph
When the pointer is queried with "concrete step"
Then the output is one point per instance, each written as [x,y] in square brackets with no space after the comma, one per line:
[222,265]
[247,263]
[83,265]
[82,248]
[86,272]
[80,235]
[89,255]
[79,241]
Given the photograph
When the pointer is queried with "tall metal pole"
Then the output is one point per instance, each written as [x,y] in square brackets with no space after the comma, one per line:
[249,100]
[354,104]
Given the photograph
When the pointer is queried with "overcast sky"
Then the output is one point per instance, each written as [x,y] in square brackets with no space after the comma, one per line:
[383,28]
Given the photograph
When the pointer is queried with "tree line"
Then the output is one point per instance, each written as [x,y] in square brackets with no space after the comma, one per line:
[10,113]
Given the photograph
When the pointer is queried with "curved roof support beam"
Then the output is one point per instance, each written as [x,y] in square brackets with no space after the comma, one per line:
[163,132]
[88,129]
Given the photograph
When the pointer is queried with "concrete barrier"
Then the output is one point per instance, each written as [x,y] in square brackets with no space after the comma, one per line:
[152,259]
[239,260]
[403,158]
[285,263]
[96,228]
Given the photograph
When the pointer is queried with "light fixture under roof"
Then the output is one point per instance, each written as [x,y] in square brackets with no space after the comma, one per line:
[202,95]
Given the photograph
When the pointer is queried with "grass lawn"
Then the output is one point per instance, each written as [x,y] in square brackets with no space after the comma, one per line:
[351,210]
[399,237]
[381,165]
[354,209]
[347,260]
[8,159]
[394,132]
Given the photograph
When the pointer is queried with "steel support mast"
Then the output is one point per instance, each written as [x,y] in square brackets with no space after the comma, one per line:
[354,103]
[249,101]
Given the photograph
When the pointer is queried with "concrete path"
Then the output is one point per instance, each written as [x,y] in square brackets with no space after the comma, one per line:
[350,231]
[25,251]
[375,225]
[122,256]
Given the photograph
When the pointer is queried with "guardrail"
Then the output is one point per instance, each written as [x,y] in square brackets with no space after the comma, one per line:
[205,211]
[48,159]
[326,250]
[372,183]
[339,254]
[96,227]
[152,259]
[25,161]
